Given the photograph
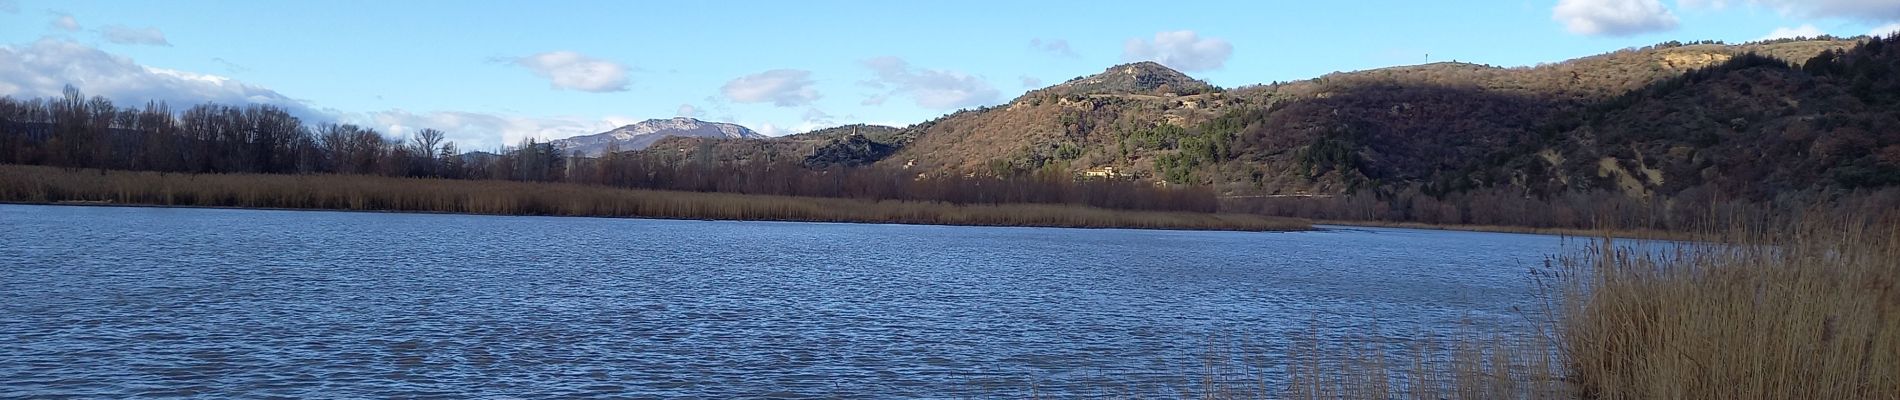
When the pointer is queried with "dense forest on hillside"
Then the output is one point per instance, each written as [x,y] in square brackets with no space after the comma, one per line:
[1750,133]
[842,146]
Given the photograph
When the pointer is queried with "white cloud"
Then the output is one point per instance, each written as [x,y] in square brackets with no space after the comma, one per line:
[485,131]
[1613,17]
[66,22]
[688,111]
[1885,30]
[1056,47]
[45,67]
[1183,50]
[934,89]
[126,35]
[619,121]
[781,87]
[809,126]
[767,128]
[776,130]
[1803,31]
[571,70]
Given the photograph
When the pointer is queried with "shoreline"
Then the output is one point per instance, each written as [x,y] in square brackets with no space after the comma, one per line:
[1566,232]
[363,193]
[97,204]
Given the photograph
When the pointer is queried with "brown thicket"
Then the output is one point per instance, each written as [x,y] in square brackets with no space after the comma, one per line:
[1689,212]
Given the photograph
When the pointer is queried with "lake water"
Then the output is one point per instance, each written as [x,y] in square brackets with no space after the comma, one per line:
[111,302]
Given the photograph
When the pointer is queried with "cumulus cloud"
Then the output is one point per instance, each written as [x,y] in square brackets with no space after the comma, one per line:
[571,70]
[1885,30]
[45,67]
[781,87]
[1056,47]
[126,35]
[1613,17]
[814,120]
[485,131]
[766,128]
[1183,50]
[1803,31]
[65,22]
[934,89]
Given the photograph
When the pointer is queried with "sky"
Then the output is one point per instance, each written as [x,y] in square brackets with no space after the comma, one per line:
[491,73]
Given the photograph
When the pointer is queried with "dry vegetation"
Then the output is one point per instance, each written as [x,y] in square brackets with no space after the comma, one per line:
[37,184]
[1807,312]
[1650,234]
[1478,367]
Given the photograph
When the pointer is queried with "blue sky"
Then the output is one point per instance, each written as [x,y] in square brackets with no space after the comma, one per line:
[492,72]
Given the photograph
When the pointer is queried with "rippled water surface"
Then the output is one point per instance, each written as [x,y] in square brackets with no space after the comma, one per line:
[109,302]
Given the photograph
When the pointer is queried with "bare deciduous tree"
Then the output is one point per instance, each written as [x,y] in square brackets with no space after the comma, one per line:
[426,141]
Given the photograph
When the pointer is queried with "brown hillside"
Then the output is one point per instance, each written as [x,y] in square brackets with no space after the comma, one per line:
[1416,120]
[1441,127]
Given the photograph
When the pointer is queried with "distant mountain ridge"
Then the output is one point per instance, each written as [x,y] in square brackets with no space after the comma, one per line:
[1701,119]
[640,135]
[1448,127]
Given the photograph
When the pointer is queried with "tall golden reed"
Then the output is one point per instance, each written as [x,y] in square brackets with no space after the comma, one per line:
[1805,310]
[34,184]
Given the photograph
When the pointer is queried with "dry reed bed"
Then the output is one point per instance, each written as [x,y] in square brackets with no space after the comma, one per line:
[358,192]
[1808,311]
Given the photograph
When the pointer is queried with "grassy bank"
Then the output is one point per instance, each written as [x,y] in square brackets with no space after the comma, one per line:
[35,184]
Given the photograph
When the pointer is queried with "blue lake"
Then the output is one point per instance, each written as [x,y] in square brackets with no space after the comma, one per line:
[113,302]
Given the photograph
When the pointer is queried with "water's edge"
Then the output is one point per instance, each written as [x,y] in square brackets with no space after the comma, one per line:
[1310,227]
